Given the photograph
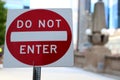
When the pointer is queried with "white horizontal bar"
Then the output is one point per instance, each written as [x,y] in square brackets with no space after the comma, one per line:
[39,36]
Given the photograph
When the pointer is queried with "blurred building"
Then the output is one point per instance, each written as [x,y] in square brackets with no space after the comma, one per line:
[17,4]
[83,15]
[112,11]
[112,16]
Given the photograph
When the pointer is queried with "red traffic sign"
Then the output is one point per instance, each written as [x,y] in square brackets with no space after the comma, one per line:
[38,37]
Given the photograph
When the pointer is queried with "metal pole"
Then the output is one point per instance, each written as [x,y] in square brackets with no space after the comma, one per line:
[78,25]
[36,73]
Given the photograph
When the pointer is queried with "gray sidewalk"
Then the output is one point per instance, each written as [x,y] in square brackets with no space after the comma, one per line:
[53,73]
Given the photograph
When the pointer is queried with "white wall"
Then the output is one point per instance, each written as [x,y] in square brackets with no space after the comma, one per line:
[50,4]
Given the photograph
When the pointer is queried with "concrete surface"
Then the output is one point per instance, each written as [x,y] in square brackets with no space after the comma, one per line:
[53,73]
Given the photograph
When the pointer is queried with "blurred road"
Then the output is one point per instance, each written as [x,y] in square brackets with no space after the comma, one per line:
[53,73]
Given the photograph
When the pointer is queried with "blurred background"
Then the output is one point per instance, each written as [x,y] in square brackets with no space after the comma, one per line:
[83,11]
[111,12]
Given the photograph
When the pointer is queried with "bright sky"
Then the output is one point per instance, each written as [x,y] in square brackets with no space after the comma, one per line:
[59,4]
[16,4]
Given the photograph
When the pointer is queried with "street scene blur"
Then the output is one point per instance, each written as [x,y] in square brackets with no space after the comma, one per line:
[96,38]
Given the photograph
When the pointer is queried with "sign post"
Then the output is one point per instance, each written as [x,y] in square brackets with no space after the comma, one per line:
[36,73]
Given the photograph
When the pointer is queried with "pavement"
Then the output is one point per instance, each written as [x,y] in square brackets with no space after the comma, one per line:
[53,73]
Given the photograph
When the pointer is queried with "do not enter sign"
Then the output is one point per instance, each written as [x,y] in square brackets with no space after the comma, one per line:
[39,37]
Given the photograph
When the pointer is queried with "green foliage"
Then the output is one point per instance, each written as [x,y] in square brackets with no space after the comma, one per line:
[3,14]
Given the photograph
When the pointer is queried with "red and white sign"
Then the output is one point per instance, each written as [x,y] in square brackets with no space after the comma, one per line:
[39,37]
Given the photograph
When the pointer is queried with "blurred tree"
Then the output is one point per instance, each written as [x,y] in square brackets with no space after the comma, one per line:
[3,14]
